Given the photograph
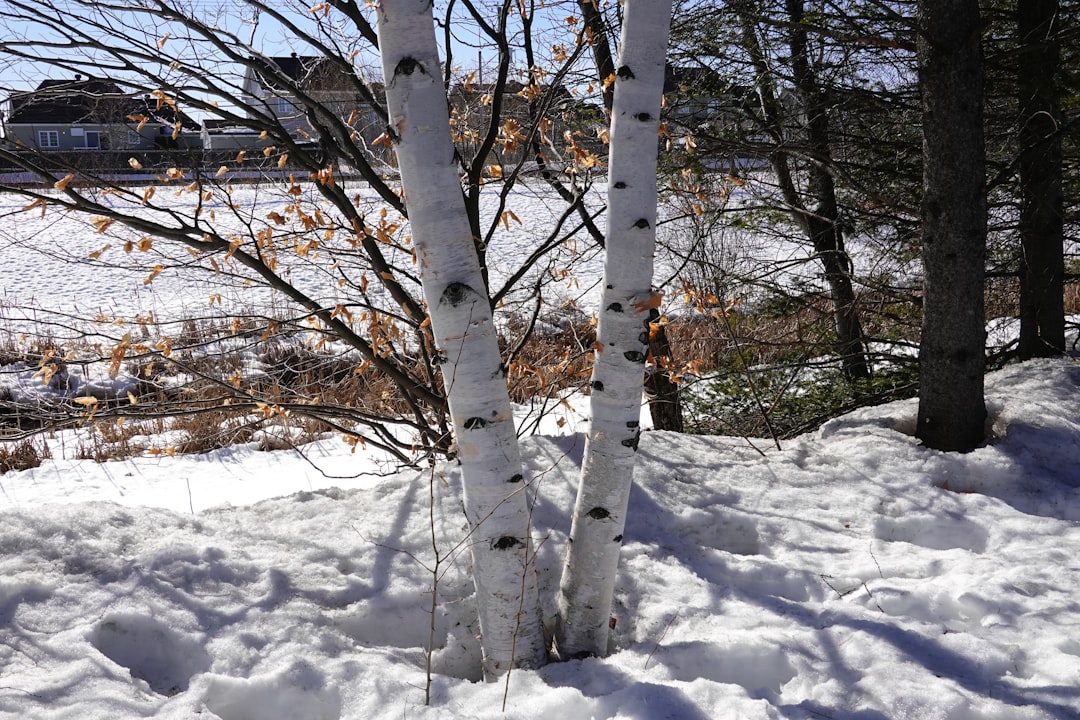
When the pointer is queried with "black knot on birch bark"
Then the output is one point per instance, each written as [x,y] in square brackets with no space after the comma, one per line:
[615,307]
[643,117]
[455,294]
[597,385]
[598,513]
[633,424]
[506,542]
[624,73]
[475,423]
[407,66]
[516,479]
[643,337]
[620,185]
[631,443]
[617,538]
[641,224]
[634,356]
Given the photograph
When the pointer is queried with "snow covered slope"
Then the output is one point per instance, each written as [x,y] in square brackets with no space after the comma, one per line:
[852,574]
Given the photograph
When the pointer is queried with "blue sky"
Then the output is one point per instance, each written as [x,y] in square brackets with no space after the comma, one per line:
[269,36]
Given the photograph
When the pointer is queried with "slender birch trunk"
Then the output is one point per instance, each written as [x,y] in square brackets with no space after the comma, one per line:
[494,486]
[627,306]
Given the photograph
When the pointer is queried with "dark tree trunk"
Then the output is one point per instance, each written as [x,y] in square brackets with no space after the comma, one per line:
[665,405]
[952,409]
[601,48]
[829,246]
[1042,265]
[822,223]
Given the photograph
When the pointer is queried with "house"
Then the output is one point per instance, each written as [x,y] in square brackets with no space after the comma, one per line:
[702,97]
[223,135]
[272,87]
[94,115]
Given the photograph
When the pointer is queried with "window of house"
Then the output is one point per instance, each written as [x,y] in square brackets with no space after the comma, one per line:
[92,140]
[284,107]
[48,139]
[134,139]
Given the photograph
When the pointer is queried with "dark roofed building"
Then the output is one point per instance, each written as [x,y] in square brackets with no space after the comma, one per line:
[94,114]
[271,86]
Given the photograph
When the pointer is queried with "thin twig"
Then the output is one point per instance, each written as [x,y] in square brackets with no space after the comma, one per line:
[660,639]
[430,650]
[750,380]
[871,548]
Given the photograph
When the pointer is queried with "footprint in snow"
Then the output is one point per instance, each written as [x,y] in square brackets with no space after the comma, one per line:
[150,650]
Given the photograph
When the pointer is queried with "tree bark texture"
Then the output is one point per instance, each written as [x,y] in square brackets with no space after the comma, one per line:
[627,306]
[1042,264]
[495,491]
[952,411]
[665,403]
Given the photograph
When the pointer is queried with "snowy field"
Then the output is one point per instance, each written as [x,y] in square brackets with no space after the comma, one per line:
[850,575]
[61,262]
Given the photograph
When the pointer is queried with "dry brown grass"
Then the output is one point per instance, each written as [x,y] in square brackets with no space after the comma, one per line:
[1072,298]
[549,363]
[202,397]
[1003,297]
[708,343]
[23,454]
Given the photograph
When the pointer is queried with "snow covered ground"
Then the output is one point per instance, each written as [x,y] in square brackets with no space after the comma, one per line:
[852,574]
[88,273]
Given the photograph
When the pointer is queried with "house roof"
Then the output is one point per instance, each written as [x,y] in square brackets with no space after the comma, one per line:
[702,81]
[65,102]
[297,68]
[310,72]
[98,101]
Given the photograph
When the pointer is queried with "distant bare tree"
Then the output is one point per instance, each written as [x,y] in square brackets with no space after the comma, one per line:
[311,128]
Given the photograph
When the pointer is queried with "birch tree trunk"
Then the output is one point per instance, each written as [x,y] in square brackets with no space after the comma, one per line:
[494,486]
[627,306]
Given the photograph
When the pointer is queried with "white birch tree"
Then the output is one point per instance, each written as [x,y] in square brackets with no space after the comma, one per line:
[494,486]
[627,306]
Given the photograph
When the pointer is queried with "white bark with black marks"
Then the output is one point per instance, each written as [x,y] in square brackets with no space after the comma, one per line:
[494,487]
[627,305]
